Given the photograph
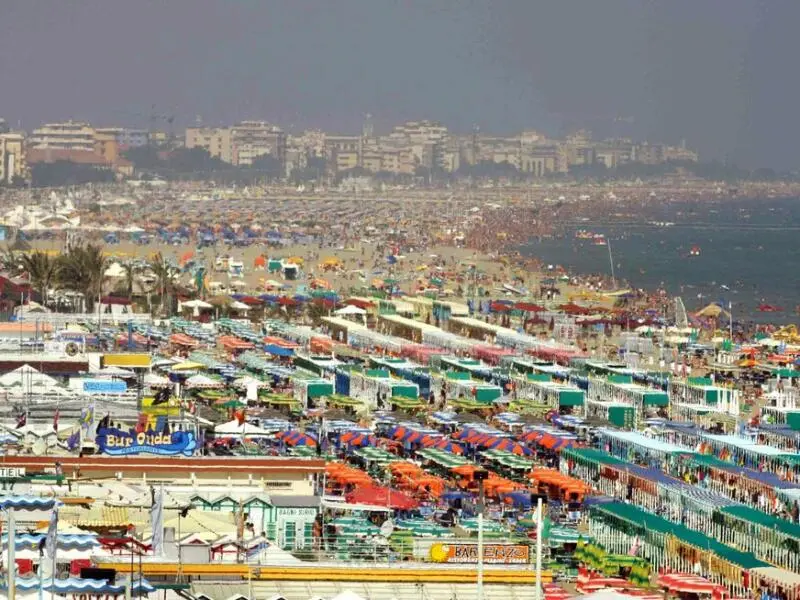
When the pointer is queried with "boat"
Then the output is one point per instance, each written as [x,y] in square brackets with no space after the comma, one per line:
[695,251]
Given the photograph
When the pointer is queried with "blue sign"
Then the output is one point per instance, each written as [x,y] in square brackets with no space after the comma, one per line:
[104,386]
[116,442]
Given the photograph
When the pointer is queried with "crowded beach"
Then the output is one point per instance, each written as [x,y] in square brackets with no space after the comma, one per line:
[339,400]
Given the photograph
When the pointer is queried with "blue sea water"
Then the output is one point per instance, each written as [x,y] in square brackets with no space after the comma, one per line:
[749,253]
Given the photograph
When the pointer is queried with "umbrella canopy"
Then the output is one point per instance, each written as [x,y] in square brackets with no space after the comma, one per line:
[382,496]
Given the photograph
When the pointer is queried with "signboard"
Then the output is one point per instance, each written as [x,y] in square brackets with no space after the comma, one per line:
[116,442]
[12,472]
[132,360]
[171,408]
[298,512]
[503,554]
[104,386]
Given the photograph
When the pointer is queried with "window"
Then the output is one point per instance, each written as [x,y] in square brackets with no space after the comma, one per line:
[289,535]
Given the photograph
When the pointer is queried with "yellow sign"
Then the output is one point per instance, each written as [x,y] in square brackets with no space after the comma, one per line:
[140,361]
[171,408]
[506,554]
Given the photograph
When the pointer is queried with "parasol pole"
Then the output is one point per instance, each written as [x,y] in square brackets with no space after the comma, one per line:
[539,530]
[11,567]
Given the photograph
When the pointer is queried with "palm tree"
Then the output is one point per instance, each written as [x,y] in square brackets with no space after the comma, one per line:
[10,261]
[129,278]
[41,269]
[82,269]
[164,273]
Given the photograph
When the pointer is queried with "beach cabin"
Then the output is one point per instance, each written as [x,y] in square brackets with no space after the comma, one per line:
[340,329]
[443,310]
[459,385]
[404,327]
[541,389]
[405,369]
[392,306]
[423,307]
[618,414]
[286,520]
[526,365]
[474,368]
[621,389]
[698,400]
[475,328]
[309,389]
[377,388]
[317,364]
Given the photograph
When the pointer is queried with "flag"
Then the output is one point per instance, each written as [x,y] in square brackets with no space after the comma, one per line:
[157,523]
[50,540]
[55,420]
[87,416]
[104,423]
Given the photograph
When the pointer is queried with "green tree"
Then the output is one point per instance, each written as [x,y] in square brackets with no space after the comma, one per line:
[82,269]
[41,269]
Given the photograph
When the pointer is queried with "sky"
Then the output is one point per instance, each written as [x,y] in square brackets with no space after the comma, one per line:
[716,73]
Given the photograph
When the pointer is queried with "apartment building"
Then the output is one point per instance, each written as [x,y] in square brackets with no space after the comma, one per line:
[215,140]
[71,135]
[253,139]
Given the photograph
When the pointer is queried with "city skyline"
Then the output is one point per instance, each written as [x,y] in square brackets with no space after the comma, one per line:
[666,71]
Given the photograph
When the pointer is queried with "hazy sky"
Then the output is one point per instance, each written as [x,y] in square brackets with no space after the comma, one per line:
[720,73]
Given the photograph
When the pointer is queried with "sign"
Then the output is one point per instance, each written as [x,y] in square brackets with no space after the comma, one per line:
[298,512]
[503,554]
[104,386]
[116,442]
[132,360]
[171,408]
[12,472]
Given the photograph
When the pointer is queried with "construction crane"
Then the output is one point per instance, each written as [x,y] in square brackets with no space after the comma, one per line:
[156,117]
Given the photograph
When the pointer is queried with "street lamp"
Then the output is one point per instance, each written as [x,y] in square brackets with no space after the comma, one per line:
[480,476]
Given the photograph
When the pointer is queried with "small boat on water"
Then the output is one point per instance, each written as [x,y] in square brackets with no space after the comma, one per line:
[695,251]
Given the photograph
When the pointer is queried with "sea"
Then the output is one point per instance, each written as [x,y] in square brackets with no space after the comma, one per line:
[739,252]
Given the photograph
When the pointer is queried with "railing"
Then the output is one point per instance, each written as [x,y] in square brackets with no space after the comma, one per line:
[98,318]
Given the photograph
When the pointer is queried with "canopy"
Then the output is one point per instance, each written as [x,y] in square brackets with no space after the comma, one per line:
[382,495]
[203,382]
[196,304]
[350,309]
[241,429]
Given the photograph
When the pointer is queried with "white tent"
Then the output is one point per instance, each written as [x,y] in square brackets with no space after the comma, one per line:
[244,382]
[202,381]
[196,304]
[154,380]
[350,309]
[26,375]
[246,429]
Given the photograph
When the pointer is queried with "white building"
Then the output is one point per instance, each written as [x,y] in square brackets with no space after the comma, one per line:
[71,135]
